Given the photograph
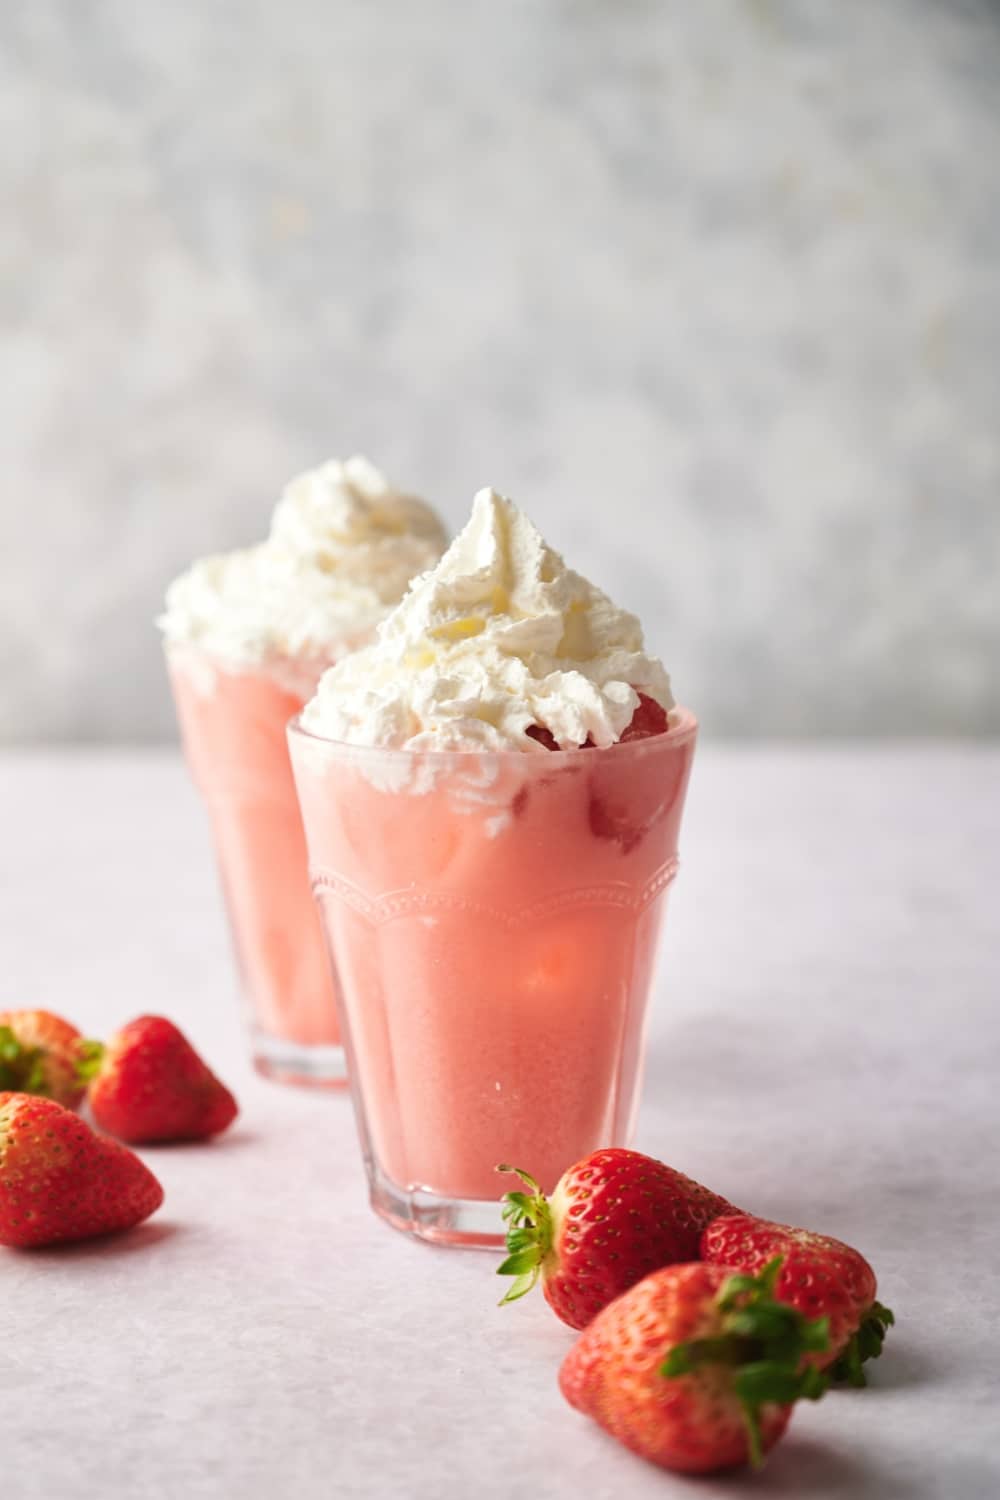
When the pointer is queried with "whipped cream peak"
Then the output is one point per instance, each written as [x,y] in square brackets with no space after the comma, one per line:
[342,548]
[501,636]
[348,505]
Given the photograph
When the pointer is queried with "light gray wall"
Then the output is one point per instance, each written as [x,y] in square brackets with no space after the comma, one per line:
[712,289]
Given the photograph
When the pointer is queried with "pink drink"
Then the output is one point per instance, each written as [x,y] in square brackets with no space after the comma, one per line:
[494,918]
[233,725]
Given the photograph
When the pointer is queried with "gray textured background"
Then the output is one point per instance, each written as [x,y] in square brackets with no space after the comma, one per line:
[713,290]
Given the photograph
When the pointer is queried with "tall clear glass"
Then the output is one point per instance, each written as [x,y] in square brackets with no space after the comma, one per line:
[493,920]
[233,724]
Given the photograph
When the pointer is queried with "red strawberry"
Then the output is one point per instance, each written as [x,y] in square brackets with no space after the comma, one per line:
[820,1276]
[611,810]
[60,1181]
[151,1085]
[695,1368]
[544,736]
[609,820]
[649,718]
[613,1218]
[40,1053]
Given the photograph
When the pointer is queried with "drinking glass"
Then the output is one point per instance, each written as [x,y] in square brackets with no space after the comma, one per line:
[233,723]
[493,921]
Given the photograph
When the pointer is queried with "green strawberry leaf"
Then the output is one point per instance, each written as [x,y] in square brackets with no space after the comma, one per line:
[529,1235]
[519,1263]
[866,1343]
[89,1060]
[764,1342]
[22,1069]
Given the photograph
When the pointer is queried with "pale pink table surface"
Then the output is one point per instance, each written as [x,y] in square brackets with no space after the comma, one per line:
[824,1047]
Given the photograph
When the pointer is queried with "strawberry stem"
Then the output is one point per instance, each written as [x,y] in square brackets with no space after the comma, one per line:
[22,1069]
[89,1058]
[764,1342]
[866,1343]
[529,1235]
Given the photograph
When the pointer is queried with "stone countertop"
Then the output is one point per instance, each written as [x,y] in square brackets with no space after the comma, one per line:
[823,1048]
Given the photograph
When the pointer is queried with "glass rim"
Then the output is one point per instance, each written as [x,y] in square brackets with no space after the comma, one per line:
[679,733]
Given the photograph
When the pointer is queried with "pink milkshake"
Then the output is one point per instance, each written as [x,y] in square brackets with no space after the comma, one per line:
[492,794]
[248,635]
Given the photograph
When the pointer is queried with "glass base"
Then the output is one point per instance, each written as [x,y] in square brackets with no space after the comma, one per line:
[301,1066]
[471,1223]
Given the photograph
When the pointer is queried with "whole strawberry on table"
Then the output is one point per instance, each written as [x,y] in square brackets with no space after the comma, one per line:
[613,1217]
[820,1276]
[146,1085]
[40,1053]
[61,1181]
[149,1085]
[696,1368]
[695,1315]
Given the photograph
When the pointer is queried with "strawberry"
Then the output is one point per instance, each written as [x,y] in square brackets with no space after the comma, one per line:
[610,820]
[614,1217]
[544,736]
[60,1181]
[150,1085]
[40,1053]
[695,1368]
[649,718]
[820,1276]
[612,809]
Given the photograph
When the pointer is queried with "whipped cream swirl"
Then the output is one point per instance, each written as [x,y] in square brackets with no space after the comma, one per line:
[500,636]
[343,546]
